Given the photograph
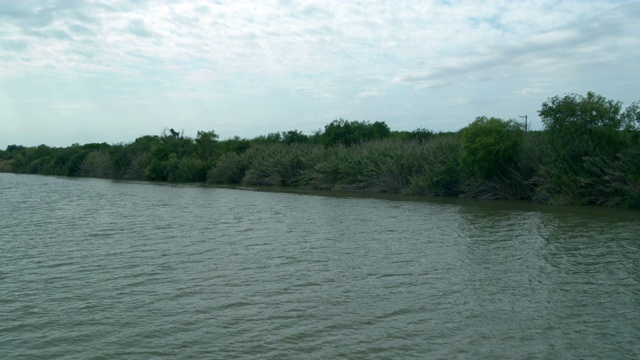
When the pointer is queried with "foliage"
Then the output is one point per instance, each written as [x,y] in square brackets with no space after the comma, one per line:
[234,145]
[591,138]
[587,154]
[612,182]
[440,173]
[348,133]
[98,164]
[229,169]
[580,126]
[490,146]
[156,171]
[294,137]
[185,170]
[206,144]
[275,164]
[390,164]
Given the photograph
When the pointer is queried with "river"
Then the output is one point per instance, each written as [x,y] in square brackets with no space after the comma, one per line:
[104,269]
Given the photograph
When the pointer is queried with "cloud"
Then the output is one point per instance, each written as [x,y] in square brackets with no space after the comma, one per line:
[24,15]
[370,94]
[417,56]
[81,30]
[14,45]
[303,89]
[137,27]
[574,45]
[425,44]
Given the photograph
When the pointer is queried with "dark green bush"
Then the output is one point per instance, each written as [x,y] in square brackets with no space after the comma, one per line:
[490,146]
[97,164]
[440,173]
[229,169]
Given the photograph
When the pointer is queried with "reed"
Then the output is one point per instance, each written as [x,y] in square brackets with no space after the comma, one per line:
[439,173]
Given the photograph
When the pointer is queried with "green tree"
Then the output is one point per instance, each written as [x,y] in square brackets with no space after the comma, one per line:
[98,164]
[591,138]
[206,144]
[590,125]
[349,133]
[235,145]
[294,137]
[490,146]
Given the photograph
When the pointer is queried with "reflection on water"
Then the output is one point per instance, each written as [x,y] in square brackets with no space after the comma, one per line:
[117,269]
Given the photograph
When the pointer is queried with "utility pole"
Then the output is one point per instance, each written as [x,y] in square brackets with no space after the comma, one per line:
[526,126]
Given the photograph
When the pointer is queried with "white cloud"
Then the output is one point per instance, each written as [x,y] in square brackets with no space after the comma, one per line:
[330,51]
[370,94]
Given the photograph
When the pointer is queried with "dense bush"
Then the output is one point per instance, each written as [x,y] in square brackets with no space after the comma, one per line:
[229,169]
[344,132]
[440,174]
[588,153]
[98,164]
[591,138]
[490,146]
[275,164]
[580,126]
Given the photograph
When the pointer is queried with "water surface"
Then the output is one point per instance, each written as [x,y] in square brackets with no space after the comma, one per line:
[102,269]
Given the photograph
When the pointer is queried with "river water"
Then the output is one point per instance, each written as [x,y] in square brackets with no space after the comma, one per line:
[102,269]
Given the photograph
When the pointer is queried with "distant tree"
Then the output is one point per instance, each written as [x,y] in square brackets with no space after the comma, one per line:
[156,171]
[97,164]
[489,146]
[206,144]
[146,143]
[14,148]
[631,116]
[235,145]
[421,134]
[590,125]
[574,112]
[348,133]
[294,136]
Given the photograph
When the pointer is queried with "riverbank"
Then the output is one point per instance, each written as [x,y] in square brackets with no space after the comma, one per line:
[387,166]
[580,158]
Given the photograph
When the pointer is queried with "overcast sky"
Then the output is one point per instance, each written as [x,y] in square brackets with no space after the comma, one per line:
[75,71]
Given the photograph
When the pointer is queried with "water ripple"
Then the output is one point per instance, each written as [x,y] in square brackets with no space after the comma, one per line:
[102,269]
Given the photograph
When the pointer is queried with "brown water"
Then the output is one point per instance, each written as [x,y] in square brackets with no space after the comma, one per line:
[102,269]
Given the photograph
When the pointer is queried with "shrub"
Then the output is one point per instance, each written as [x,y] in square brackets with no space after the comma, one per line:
[137,169]
[579,126]
[390,164]
[156,170]
[612,182]
[490,146]
[344,132]
[229,169]
[276,164]
[440,173]
[97,164]
[186,170]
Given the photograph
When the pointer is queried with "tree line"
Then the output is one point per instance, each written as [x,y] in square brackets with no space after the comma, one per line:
[587,153]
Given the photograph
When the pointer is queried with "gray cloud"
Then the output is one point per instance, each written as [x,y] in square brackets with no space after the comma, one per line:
[25,17]
[137,27]
[14,45]
[33,14]
[78,29]
[339,58]
[50,34]
[588,41]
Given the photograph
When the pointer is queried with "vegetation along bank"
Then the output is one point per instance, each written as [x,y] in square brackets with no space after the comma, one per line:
[587,153]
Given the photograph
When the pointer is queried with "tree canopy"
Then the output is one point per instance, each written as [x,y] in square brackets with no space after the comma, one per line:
[490,145]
